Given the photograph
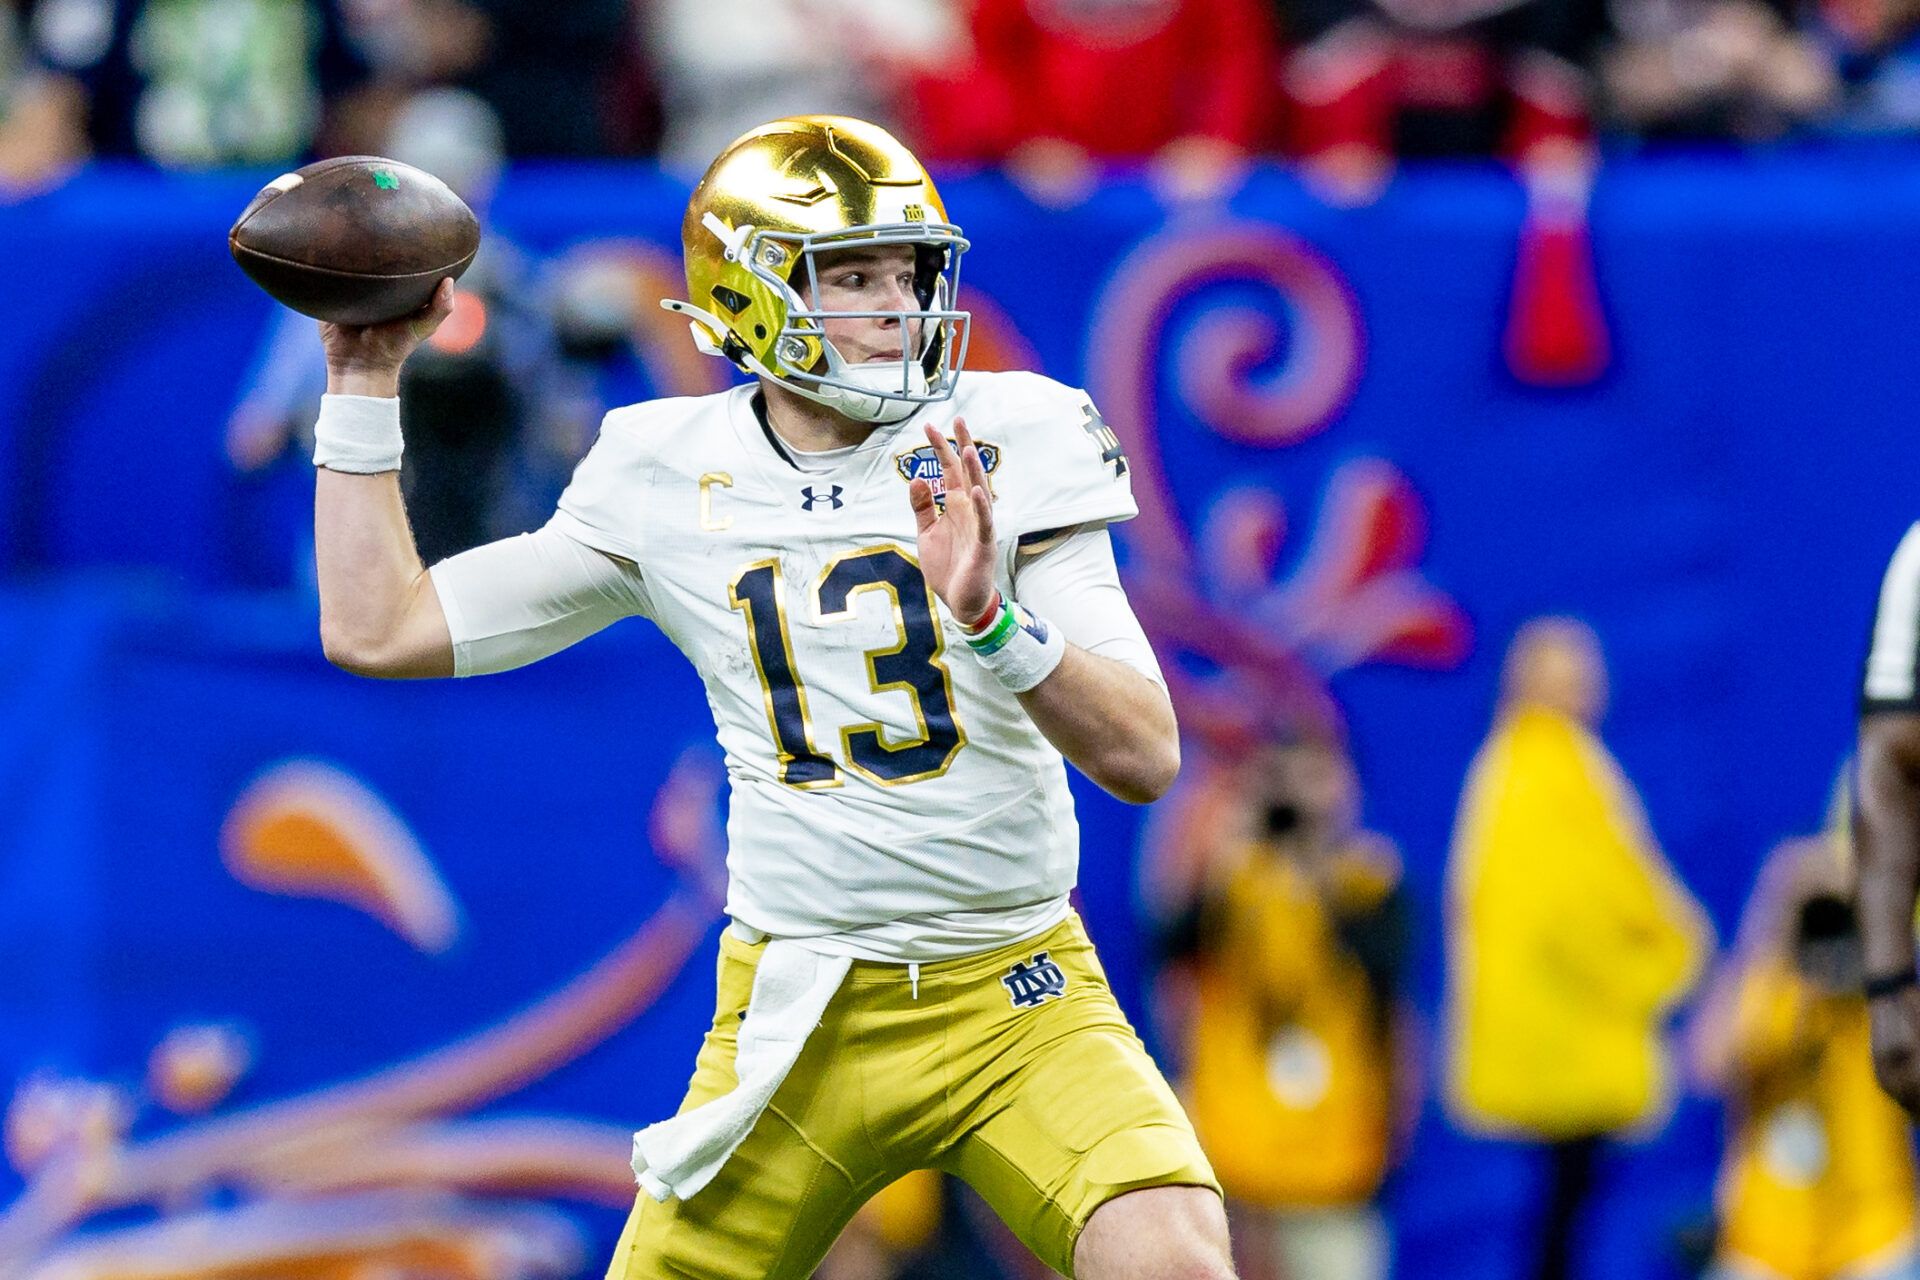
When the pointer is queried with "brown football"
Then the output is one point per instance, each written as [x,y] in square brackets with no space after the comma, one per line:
[355,240]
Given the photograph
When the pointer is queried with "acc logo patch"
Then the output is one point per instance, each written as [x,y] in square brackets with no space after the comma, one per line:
[1032,984]
[921,464]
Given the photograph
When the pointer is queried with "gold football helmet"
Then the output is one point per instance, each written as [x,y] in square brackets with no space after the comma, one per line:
[803,186]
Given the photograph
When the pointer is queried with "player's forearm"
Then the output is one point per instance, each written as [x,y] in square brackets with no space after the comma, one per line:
[379,615]
[1113,723]
[1887,841]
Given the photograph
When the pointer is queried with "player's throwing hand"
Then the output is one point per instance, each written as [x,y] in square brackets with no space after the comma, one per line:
[380,349]
[956,547]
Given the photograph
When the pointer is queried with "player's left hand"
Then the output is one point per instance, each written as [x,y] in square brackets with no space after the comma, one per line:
[957,546]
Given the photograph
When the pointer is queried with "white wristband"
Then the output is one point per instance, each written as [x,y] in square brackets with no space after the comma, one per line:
[358,434]
[1020,649]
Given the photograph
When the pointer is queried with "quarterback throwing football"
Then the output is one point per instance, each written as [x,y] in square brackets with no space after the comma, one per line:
[896,582]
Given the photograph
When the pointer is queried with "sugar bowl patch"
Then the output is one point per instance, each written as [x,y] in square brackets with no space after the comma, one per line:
[923,464]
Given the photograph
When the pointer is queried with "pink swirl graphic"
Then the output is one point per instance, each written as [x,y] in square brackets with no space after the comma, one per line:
[1216,359]
[1249,624]
[1253,646]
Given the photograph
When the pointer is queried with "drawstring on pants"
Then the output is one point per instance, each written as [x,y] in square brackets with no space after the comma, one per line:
[913,977]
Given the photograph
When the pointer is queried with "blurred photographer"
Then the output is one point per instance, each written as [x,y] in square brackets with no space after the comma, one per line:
[1295,1051]
[1818,1177]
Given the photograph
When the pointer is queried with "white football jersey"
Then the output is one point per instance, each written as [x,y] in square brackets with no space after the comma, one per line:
[877,770]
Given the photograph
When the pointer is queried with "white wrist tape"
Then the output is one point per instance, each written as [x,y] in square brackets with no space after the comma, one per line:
[1020,649]
[358,434]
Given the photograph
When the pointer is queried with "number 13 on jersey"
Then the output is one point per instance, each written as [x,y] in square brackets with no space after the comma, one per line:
[914,666]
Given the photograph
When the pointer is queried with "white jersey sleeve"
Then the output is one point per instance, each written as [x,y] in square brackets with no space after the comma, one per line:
[1057,462]
[521,599]
[1075,585]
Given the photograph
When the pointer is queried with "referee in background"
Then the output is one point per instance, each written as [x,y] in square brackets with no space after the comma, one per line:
[1887,824]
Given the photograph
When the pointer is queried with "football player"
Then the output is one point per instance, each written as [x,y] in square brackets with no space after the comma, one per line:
[1886,824]
[895,581]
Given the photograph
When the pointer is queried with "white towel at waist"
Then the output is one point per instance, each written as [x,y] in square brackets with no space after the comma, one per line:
[791,988]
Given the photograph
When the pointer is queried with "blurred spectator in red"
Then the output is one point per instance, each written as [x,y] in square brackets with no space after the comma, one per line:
[1053,87]
[725,68]
[1570,940]
[1818,1180]
[1716,68]
[1371,80]
[1298,1061]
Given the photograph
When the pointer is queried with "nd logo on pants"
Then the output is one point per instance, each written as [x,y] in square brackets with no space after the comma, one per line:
[1013,1070]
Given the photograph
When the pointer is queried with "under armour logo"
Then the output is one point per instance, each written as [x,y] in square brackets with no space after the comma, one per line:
[832,496]
[1035,982]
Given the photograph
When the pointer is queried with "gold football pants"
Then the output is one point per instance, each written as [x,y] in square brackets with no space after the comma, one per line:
[1013,1070]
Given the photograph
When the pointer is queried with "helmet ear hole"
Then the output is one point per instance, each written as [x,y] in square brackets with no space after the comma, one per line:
[732,299]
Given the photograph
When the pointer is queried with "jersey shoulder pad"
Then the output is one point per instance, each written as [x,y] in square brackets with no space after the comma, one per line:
[603,503]
[1056,461]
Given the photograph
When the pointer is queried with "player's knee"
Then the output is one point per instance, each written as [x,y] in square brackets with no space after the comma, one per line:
[1164,1260]
[1167,1233]
[1201,1262]
[1199,1254]
[1212,1269]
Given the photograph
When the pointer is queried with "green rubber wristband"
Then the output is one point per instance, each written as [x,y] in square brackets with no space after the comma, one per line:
[995,637]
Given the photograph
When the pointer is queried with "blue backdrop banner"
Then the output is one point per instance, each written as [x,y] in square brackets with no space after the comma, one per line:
[335,963]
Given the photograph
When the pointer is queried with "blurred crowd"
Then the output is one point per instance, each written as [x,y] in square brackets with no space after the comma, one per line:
[1050,89]
[1583,998]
